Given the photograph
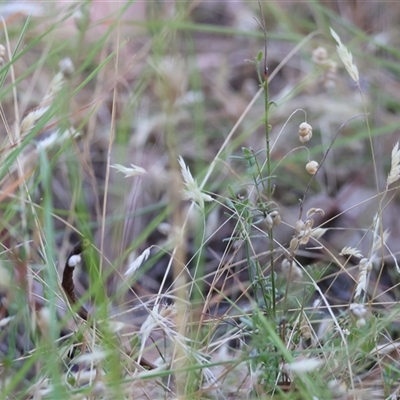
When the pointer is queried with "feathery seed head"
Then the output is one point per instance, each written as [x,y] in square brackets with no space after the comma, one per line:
[365,267]
[30,120]
[192,191]
[346,57]
[137,262]
[301,366]
[129,172]
[350,251]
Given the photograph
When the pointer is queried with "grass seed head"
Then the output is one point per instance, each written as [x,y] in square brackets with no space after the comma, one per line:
[276,217]
[312,167]
[301,366]
[269,221]
[134,170]
[394,173]
[314,210]
[346,57]
[365,267]
[192,190]
[137,263]
[305,132]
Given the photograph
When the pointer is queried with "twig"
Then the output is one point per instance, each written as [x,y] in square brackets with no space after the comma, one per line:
[67,284]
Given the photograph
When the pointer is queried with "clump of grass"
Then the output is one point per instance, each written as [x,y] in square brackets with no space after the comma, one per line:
[197,279]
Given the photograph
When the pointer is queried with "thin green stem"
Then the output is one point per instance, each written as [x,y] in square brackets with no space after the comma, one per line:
[269,188]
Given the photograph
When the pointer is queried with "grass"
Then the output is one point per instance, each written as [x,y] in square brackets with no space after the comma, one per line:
[214,266]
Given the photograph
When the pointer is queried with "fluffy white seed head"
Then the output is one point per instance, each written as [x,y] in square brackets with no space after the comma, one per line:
[312,167]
